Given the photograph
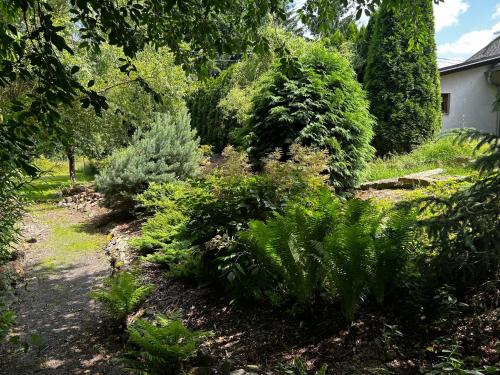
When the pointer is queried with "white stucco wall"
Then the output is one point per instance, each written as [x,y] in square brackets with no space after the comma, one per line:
[471,100]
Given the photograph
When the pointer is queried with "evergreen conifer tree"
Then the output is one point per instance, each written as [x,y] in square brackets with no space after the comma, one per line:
[313,99]
[363,47]
[402,81]
[167,152]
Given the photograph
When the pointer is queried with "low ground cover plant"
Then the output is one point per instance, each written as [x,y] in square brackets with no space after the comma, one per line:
[121,295]
[160,347]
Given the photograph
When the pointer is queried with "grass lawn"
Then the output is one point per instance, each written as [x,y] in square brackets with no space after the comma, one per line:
[55,176]
[444,153]
[68,238]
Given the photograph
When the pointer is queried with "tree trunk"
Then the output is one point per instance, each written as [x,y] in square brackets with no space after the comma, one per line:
[70,153]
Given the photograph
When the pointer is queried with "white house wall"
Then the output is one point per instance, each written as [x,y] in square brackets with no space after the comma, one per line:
[471,100]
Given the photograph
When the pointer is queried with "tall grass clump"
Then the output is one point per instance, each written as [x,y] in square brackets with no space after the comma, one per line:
[454,157]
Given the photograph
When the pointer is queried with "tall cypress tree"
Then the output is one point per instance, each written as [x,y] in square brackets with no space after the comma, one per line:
[403,81]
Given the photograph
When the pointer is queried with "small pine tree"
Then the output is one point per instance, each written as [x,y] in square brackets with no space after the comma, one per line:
[403,81]
[167,152]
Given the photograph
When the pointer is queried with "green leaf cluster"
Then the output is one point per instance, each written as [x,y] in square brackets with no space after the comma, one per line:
[465,226]
[199,221]
[349,249]
[220,105]
[122,294]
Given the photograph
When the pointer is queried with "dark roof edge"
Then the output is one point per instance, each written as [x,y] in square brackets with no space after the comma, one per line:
[482,51]
[468,65]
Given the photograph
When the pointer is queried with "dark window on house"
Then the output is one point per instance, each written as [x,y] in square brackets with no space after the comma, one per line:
[445,104]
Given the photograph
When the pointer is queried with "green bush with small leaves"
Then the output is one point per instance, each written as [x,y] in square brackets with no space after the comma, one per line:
[161,346]
[313,99]
[122,294]
[464,229]
[215,209]
[168,207]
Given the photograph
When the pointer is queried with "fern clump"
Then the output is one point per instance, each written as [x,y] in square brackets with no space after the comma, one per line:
[169,206]
[161,346]
[168,151]
[121,295]
[349,249]
[287,244]
[366,250]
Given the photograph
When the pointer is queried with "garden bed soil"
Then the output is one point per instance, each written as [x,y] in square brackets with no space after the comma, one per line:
[262,338]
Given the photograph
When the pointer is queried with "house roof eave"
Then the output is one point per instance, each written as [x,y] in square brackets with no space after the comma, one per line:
[468,65]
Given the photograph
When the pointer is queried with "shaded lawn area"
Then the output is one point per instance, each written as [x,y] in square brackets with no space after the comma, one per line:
[54,177]
[455,159]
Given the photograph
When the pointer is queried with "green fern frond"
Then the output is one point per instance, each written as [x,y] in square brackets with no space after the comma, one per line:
[161,345]
[122,294]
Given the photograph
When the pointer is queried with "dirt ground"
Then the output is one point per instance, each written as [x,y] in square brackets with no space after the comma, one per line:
[66,331]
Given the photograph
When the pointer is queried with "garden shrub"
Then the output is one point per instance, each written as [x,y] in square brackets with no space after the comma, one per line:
[121,295]
[234,198]
[168,151]
[220,106]
[465,227]
[209,120]
[313,99]
[220,206]
[161,346]
[403,82]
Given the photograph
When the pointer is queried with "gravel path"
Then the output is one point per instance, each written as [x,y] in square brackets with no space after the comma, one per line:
[66,331]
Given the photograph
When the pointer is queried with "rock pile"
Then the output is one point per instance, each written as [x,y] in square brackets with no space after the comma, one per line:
[80,198]
[118,250]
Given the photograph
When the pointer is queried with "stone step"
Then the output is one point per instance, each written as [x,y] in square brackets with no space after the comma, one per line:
[420,179]
[411,181]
